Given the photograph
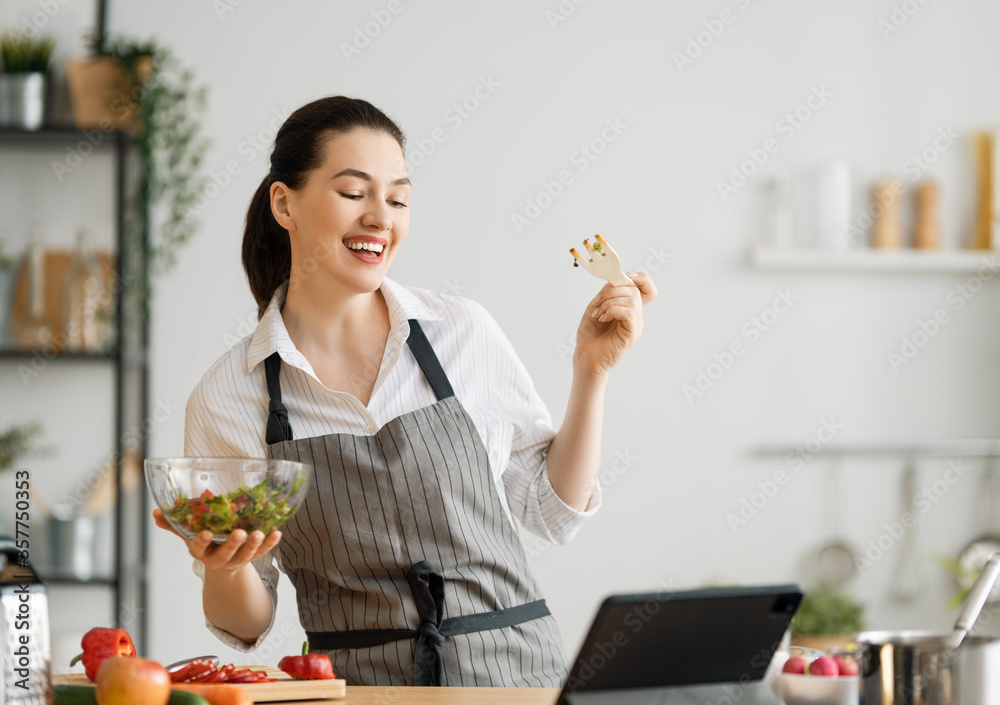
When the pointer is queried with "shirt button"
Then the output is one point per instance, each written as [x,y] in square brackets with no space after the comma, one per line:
[370,428]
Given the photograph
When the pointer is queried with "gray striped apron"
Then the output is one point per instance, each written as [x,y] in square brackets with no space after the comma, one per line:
[406,569]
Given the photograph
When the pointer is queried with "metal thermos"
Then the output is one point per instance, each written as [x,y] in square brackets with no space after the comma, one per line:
[24,631]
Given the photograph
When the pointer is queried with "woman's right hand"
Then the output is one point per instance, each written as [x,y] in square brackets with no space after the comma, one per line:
[238,550]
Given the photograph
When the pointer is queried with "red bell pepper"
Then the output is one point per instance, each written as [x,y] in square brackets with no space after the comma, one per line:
[307,666]
[100,643]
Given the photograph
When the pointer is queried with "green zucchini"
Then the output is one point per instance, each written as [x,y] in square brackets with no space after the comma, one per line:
[85,695]
[180,697]
[74,695]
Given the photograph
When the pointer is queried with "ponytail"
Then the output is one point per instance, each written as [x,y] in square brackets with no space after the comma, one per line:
[267,253]
[299,147]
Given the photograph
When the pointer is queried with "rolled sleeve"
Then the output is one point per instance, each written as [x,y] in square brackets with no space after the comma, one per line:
[535,502]
[269,576]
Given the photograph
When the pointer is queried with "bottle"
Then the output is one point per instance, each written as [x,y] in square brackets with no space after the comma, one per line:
[34,331]
[82,297]
[887,233]
[927,235]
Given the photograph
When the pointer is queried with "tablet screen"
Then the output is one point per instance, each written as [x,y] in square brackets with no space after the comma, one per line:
[723,635]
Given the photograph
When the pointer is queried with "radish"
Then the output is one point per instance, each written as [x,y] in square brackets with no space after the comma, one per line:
[847,665]
[823,666]
[796,664]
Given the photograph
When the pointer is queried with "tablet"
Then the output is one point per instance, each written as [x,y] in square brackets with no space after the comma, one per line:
[690,642]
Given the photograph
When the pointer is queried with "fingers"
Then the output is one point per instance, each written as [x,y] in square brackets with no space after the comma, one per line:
[248,551]
[646,286]
[619,296]
[630,317]
[201,546]
[238,550]
[161,521]
[220,555]
[270,541]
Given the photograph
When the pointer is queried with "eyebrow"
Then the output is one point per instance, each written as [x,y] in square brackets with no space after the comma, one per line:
[367,177]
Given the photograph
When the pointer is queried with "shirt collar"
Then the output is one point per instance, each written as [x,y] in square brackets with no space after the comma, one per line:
[271,336]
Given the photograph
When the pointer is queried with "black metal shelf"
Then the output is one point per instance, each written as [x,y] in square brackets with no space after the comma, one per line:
[108,581]
[57,135]
[128,583]
[78,356]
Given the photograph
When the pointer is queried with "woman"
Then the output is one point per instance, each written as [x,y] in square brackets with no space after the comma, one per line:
[404,556]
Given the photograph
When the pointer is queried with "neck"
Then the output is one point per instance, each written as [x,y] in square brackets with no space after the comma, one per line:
[332,318]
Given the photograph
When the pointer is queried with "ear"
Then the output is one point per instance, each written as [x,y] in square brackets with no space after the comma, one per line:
[281,205]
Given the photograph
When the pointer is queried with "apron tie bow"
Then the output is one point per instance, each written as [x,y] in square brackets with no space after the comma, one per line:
[427,586]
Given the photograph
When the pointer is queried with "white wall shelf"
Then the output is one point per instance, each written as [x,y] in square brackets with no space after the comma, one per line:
[925,448]
[918,261]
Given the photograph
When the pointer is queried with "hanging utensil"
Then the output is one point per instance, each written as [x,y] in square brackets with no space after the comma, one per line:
[833,563]
[974,556]
[910,579]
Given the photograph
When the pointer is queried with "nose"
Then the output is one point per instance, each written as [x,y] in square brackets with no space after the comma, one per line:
[378,216]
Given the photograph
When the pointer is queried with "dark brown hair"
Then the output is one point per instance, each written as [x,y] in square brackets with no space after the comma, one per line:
[299,147]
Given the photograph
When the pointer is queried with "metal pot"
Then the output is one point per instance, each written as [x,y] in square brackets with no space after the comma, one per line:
[22,100]
[917,668]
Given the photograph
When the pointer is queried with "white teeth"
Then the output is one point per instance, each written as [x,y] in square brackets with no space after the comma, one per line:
[370,246]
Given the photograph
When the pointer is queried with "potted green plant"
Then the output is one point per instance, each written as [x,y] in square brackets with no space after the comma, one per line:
[24,80]
[155,98]
[827,618]
[18,442]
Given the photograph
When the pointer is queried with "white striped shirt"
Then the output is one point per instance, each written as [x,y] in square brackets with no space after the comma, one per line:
[226,414]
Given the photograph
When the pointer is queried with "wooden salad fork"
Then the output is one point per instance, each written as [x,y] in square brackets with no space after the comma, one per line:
[603,262]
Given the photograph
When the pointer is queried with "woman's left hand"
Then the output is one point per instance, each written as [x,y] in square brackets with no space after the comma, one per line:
[612,323]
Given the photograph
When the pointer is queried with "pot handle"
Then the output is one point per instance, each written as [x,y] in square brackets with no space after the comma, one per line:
[975,601]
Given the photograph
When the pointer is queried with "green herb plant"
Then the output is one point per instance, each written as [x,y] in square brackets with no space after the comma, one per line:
[5,259]
[18,442]
[964,576]
[22,54]
[170,145]
[825,611]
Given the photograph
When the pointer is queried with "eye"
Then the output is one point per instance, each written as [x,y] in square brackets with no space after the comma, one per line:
[351,196]
[397,204]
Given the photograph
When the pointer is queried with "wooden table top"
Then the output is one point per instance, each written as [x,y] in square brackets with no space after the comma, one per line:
[389,695]
[379,695]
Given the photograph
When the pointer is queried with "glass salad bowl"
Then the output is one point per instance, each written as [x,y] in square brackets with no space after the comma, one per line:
[226,494]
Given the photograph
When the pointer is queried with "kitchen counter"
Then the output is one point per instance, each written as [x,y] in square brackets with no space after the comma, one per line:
[388,695]
[379,695]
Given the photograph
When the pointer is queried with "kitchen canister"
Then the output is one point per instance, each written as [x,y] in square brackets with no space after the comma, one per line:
[24,630]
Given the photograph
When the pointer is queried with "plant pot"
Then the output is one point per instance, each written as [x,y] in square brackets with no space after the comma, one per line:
[22,100]
[102,95]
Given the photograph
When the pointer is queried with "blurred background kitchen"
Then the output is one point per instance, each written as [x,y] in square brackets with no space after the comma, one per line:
[810,186]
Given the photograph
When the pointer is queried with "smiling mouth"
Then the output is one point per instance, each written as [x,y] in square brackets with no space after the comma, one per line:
[368,251]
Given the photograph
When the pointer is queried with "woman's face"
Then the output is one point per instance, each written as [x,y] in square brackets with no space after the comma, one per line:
[351,216]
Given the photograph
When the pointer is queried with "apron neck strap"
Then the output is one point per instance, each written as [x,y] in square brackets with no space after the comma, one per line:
[428,361]
[278,428]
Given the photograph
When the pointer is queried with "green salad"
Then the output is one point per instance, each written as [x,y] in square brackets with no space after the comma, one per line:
[262,507]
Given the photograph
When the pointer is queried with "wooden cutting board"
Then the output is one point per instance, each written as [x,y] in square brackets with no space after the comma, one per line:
[283,688]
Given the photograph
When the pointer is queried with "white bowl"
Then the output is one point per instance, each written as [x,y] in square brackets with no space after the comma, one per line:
[797,689]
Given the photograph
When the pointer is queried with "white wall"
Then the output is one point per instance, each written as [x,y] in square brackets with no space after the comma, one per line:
[653,189]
